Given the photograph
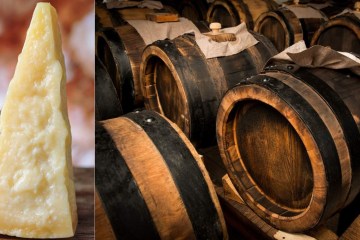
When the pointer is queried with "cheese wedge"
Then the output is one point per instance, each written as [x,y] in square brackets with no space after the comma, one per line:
[37,195]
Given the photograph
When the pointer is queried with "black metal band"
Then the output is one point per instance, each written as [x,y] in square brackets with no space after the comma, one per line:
[192,91]
[123,66]
[186,174]
[338,107]
[314,124]
[125,207]
[107,103]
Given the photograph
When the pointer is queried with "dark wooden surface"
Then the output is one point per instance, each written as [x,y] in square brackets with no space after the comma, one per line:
[157,176]
[293,189]
[231,13]
[323,122]
[241,221]
[192,10]
[284,28]
[84,185]
[107,102]
[341,33]
[187,88]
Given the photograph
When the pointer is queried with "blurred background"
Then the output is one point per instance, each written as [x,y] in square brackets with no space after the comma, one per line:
[76,19]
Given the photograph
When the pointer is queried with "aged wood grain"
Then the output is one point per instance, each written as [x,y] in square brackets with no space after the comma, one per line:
[164,173]
[233,12]
[240,219]
[162,17]
[107,102]
[105,17]
[284,28]
[120,51]
[289,139]
[341,33]
[179,82]
[119,47]
[84,185]
[192,10]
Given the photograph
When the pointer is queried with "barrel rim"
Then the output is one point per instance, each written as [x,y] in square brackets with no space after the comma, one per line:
[104,82]
[293,32]
[147,55]
[347,20]
[138,120]
[124,71]
[342,113]
[113,167]
[231,9]
[196,156]
[200,7]
[312,214]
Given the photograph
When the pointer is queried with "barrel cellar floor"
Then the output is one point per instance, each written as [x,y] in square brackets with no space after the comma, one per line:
[243,223]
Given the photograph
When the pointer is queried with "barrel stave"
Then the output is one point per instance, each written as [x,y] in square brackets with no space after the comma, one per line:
[202,82]
[107,103]
[324,124]
[164,173]
[232,12]
[284,28]
[341,33]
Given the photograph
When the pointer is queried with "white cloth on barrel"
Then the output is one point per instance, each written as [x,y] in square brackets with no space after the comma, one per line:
[212,49]
[153,31]
[303,11]
[319,56]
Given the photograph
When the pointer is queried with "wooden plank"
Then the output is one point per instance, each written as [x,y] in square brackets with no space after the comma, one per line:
[247,224]
[242,221]
[230,191]
[84,185]
[156,185]
[323,233]
[162,17]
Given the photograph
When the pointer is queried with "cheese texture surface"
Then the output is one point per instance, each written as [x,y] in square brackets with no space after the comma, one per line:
[37,195]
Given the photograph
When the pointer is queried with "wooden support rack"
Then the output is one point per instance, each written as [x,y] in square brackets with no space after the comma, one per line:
[243,223]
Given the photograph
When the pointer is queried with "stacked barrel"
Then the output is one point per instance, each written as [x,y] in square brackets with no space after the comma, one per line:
[288,135]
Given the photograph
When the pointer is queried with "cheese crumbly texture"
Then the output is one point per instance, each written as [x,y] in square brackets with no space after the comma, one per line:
[37,194]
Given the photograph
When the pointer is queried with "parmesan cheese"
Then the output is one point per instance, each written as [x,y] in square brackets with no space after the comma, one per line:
[37,194]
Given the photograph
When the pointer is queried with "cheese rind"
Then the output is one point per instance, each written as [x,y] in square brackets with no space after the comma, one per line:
[36,187]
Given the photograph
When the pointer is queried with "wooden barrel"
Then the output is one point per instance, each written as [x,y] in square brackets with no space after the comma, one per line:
[341,33]
[120,50]
[152,182]
[289,138]
[179,82]
[231,13]
[284,27]
[102,17]
[107,102]
[192,10]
